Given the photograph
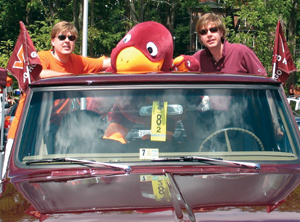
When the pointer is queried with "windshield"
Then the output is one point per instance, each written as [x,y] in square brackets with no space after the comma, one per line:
[138,123]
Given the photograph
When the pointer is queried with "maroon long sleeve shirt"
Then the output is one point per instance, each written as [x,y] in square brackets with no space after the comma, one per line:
[236,59]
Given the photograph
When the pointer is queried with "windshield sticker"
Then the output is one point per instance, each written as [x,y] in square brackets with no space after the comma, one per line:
[144,132]
[148,154]
[145,178]
[159,121]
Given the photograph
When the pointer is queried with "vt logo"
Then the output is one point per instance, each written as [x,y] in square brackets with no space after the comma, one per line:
[20,55]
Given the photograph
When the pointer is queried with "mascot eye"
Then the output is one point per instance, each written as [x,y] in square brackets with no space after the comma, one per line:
[152,49]
[127,38]
[188,63]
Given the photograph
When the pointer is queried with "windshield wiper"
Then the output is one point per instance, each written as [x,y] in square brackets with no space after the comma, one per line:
[126,168]
[255,166]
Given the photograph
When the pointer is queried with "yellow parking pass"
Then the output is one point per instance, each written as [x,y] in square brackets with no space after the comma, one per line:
[161,189]
[159,121]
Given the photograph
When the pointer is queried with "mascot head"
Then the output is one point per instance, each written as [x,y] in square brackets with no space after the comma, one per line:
[147,47]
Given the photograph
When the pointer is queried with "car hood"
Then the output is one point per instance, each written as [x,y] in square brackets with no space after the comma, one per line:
[165,197]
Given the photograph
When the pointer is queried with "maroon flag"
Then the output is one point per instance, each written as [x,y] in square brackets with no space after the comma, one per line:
[3,76]
[24,62]
[282,60]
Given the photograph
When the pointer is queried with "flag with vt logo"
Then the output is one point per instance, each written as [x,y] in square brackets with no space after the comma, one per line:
[24,62]
[282,60]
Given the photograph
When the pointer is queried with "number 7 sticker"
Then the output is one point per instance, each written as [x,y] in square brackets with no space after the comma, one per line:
[159,121]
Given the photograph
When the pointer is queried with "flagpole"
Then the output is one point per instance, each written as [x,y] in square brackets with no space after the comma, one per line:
[273,71]
[85,28]
[84,41]
[2,119]
[28,75]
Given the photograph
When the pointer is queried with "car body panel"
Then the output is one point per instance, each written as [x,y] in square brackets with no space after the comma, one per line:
[297,118]
[167,78]
[203,197]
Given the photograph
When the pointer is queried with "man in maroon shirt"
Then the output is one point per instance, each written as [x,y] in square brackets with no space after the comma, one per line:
[219,55]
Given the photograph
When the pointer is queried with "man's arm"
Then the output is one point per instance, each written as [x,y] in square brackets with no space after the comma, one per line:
[254,66]
[47,73]
[106,63]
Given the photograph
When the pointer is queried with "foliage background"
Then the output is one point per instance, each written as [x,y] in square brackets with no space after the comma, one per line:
[109,20]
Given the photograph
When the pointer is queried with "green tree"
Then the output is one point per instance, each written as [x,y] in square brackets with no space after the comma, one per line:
[5,48]
[257,24]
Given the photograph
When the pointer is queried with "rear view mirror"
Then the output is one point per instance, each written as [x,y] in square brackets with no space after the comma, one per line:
[173,110]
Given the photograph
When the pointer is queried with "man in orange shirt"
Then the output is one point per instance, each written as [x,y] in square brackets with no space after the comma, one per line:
[60,60]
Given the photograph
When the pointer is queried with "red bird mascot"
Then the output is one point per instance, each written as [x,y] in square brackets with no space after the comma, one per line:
[147,47]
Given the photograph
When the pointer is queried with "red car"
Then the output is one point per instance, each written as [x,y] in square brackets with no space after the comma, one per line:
[153,147]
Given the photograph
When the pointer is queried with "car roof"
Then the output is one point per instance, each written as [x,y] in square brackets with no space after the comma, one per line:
[188,78]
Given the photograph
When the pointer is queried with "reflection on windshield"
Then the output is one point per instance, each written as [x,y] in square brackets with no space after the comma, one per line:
[141,125]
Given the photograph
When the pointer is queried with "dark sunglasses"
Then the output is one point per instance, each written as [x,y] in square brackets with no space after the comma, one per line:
[63,37]
[205,31]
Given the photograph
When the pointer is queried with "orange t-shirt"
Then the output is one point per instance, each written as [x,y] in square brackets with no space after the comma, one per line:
[14,124]
[77,64]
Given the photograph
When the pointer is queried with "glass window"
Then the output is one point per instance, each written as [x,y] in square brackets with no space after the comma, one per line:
[133,125]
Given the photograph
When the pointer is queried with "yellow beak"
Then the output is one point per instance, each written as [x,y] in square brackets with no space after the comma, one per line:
[132,60]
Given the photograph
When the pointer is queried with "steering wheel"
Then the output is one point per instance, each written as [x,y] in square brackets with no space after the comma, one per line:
[228,145]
